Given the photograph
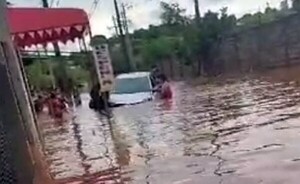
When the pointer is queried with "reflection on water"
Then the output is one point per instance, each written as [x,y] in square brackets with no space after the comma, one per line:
[242,131]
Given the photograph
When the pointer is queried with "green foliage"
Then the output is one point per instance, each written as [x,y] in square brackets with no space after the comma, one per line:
[269,15]
[158,49]
[165,41]
[249,20]
[284,5]
[184,39]
[78,75]
[118,60]
[172,14]
[80,59]
[296,5]
[227,22]
[63,72]
[38,75]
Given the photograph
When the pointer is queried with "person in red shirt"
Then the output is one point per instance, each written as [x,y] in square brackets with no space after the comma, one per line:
[49,103]
[165,91]
[58,108]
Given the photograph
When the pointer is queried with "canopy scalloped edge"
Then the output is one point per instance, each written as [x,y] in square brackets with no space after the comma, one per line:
[33,26]
[55,35]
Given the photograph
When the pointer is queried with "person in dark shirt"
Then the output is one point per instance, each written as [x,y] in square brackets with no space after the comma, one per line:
[39,104]
[154,76]
[97,101]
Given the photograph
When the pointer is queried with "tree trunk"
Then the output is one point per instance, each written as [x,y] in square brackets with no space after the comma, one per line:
[200,66]
[162,67]
[286,47]
[170,60]
[181,68]
[197,11]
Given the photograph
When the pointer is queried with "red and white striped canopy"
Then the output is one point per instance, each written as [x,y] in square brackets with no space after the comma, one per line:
[32,26]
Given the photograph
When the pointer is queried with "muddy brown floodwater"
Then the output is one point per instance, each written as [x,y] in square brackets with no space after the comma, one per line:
[242,131]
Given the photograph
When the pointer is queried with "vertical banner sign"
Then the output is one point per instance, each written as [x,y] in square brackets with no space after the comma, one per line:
[104,67]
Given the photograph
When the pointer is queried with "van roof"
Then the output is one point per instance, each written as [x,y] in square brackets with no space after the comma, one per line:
[133,75]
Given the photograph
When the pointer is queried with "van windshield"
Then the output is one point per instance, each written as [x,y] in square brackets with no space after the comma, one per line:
[132,85]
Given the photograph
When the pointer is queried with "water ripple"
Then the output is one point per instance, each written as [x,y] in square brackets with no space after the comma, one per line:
[242,131]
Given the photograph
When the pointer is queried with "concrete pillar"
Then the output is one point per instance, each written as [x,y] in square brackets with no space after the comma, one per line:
[18,82]
[16,163]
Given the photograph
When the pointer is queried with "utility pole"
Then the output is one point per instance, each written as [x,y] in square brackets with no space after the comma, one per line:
[122,36]
[55,45]
[198,24]
[115,25]
[127,37]
[197,11]
[45,3]
[64,83]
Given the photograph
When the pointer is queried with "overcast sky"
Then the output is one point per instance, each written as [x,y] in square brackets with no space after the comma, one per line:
[145,12]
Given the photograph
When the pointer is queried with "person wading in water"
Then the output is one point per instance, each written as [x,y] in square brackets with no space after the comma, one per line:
[58,107]
[154,75]
[97,102]
[165,88]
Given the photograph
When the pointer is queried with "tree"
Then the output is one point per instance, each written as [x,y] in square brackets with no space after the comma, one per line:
[191,41]
[80,59]
[180,38]
[78,68]
[284,10]
[212,28]
[172,14]
[269,15]
[228,22]
[118,61]
[296,5]
[38,75]
[153,51]
[249,20]
[284,5]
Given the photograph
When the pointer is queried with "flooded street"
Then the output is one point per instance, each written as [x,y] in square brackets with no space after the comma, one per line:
[239,131]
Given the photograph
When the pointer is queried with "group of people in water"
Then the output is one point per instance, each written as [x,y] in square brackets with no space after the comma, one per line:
[56,104]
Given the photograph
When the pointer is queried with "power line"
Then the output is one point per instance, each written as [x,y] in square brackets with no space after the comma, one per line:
[57,3]
[127,37]
[55,45]
[122,36]
[51,3]
[93,8]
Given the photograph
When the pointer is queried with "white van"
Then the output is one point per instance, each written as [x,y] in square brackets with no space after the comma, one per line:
[132,88]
